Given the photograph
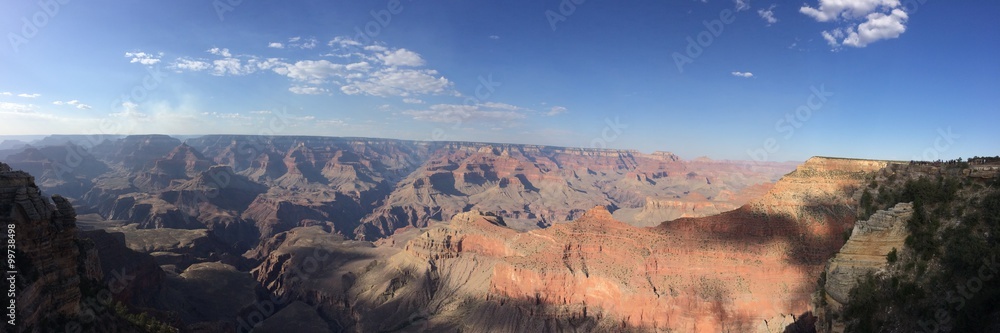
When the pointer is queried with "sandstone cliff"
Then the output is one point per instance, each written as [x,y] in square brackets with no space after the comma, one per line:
[752,269]
[865,252]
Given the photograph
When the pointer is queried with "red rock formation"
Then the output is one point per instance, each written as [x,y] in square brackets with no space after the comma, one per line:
[752,269]
[536,185]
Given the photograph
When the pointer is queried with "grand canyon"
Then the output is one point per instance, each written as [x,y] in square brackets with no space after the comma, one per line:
[317,234]
[550,166]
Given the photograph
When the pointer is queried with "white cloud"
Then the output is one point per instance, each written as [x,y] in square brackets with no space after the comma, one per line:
[400,82]
[494,37]
[833,37]
[358,69]
[74,103]
[276,45]
[79,105]
[878,27]
[742,74]
[402,57]
[376,48]
[220,52]
[341,41]
[413,101]
[29,95]
[768,15]
[830,10]
[230,66]
[307,90]
[300,43]
[879,20]
[143,58]
[449,113]
[501,106]
[6,93]
[363,66]
[312,71]
[309,44]
[556,110]
[190,65]
[742,5]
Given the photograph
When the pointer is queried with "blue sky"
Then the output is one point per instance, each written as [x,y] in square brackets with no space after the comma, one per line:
[764,80]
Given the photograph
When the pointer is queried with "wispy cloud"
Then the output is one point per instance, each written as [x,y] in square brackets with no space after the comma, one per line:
[768,15]
[144,58]
[494,113]
[74,103]
[29,95]
[367,70]
[742,74]
[307,90]
[556,110]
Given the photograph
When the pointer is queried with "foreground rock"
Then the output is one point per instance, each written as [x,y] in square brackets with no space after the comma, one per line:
[55,271]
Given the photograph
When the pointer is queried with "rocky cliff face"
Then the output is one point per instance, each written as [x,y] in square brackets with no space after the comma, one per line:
[58,274]
[932,226]
[752,269]
[47,256]
[865,252]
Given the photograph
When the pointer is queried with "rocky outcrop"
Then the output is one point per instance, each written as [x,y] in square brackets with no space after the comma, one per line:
[46,254]
[866,251]
[58,275]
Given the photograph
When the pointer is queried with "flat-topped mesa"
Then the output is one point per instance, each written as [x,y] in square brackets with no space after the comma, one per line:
[662,156]
[820,181]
